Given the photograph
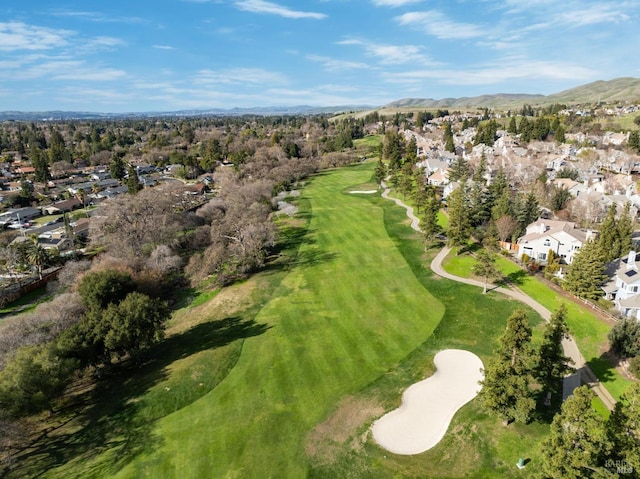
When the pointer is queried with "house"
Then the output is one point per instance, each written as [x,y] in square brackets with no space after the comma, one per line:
[612,138]
[573,187]
[438,178]
[195,189]
[623,286]
[18,215]
[112,192]
[62,206]
[561,237]
[100,175]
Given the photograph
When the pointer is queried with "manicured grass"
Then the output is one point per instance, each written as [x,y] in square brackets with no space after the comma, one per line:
[351,310]
[477,445]
[45,219]
[443,220]
[371,141]
[588,330]
[282,375]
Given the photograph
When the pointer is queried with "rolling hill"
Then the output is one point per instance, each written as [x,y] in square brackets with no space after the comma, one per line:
[618,89]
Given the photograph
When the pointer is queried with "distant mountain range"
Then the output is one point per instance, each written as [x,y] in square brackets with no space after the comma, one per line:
[261,111]
[606,91]
[599,91]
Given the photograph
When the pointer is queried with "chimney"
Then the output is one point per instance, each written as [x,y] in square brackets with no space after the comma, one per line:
[631,260]
[542,227]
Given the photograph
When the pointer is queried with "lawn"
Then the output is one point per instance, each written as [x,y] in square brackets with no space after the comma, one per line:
[371,141]
[282,375]
[477,445]
[588,330]
[26,302]
[350,311]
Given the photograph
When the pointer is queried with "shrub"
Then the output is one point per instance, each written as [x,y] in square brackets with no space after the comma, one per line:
[624,338]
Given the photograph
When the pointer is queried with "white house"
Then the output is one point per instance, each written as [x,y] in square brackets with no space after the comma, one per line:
[561,237]
[623,287]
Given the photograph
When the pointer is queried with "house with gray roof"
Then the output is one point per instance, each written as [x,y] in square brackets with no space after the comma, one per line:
[623,286]
[561,237]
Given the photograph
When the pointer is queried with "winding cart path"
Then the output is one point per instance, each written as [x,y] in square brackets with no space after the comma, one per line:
[570,347]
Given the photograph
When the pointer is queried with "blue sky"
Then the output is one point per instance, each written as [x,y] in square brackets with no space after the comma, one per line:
[164,55]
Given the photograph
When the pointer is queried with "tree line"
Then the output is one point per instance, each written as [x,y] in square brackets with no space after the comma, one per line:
[582,443]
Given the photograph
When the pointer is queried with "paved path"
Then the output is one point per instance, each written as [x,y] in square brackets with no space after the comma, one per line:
[570,347]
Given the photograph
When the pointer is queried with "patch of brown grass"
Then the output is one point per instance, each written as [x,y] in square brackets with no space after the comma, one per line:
[347,425]
[230,301]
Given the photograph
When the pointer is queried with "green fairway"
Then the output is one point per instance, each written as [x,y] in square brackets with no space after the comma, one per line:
[350,311]
[282,375]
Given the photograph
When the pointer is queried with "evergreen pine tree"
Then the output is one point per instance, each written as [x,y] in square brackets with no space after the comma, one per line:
[503,205]
[634,141]
[608,240]
[448,138]
[459,169]
[429,218]
[526,130]
[133,183]
[505,387]
[459,230]
[40,164]
[578,443]
[512,128]
[393,150]
[479,172]
[551,363]
[625,229]
[117,168]
[528,210]
[586,272]
[411,156]
[380,172]
[623,429]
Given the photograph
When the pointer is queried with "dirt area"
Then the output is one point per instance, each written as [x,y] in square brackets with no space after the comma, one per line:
[347,423]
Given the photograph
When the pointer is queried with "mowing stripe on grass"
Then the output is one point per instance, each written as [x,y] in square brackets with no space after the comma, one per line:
[348,313]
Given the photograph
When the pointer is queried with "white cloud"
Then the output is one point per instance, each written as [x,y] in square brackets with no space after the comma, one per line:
[499,72]
[392,54]
[393,3]
[93,45]
[97,17]
[90,98]
[571,13]
[163,47]
[16,36]
[439,25]
[254,76]
[107,42]
[69,70]
[332,64]
[261,6]
[600,13]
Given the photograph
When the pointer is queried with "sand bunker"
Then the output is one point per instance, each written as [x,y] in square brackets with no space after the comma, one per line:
[363,192]
[429,405]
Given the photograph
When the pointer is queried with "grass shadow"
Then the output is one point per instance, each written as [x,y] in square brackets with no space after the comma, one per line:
[603,367]
[516,277]
[116,418]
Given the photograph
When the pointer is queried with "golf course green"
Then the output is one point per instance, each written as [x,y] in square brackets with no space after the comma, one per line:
[330,340]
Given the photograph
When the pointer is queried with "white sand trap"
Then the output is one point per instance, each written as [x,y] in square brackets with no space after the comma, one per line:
[363,192]
[429,405]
